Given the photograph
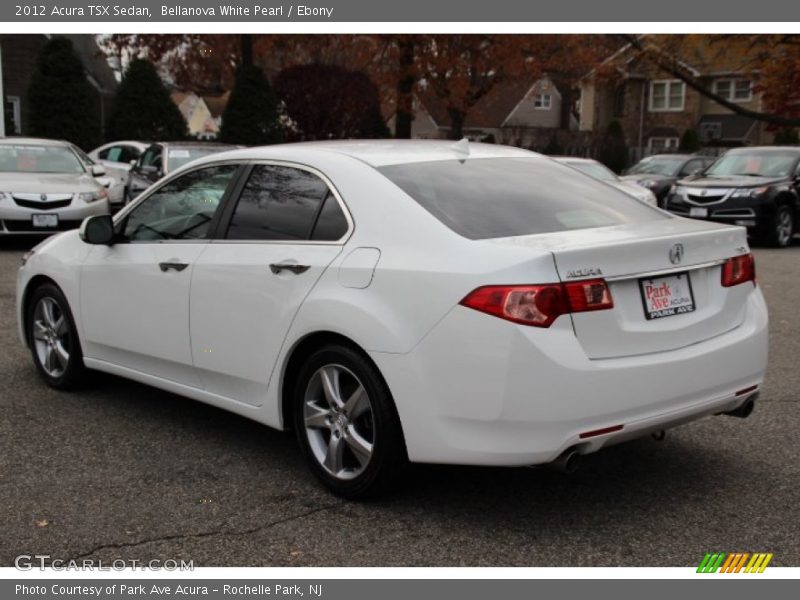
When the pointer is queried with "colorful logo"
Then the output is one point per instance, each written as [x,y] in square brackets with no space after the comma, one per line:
[735,562]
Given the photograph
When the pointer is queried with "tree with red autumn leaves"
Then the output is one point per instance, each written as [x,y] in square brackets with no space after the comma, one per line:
[459,69]
[773,61]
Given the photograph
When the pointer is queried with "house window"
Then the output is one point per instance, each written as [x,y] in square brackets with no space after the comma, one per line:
[542,102]
[13,115]
[667,95]
[662,144]
[735,90]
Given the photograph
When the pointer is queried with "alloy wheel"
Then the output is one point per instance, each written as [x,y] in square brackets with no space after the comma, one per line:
[339,423]
[784,227]
[51,337]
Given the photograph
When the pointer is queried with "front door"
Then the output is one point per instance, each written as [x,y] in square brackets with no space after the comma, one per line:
[135,293]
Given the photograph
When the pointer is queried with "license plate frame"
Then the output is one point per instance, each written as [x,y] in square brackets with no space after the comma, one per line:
[659,302]
[697,212]
[44,221]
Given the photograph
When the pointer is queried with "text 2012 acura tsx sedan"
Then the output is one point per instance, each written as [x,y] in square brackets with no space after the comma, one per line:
[394,301]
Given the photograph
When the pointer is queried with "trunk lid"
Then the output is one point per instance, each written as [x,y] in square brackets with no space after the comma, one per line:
[635,260]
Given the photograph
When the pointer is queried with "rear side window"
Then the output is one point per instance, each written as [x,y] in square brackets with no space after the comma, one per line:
[285,203]
[503,197]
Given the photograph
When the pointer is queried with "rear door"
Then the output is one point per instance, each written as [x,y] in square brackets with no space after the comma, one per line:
[278,237]
[665,281]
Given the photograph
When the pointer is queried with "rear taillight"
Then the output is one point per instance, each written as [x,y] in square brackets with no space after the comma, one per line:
[738,269]
[589,295]
[539,305]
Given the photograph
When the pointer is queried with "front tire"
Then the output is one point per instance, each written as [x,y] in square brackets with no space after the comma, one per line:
[781,227]
[347,425]
[53,338]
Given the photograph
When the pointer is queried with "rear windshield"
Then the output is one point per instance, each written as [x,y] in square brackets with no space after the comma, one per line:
[503,197]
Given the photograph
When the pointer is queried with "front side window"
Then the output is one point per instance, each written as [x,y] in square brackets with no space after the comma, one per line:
[182,209]
[667,95]
[120,154]
[286,203]
[152,157]
[696,164]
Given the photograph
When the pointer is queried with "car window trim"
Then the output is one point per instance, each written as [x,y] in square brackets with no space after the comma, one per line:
[233,201]
[121,218]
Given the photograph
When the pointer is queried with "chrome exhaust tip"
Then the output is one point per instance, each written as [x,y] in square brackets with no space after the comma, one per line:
[568,462]
[745,409]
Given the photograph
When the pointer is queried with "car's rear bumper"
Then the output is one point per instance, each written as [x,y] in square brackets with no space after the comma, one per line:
[479,390]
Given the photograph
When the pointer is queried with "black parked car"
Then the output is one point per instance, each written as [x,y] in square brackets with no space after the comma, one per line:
[658,172]
[757,187]
[161,158]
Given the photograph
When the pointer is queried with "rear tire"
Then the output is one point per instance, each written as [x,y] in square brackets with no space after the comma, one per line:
[347,425]
[53,338]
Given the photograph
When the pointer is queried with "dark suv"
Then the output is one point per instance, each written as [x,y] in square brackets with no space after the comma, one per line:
[757,187]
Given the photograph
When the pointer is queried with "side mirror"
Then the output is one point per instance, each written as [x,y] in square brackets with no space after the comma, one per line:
[98,170]
[98,230]
[133,162]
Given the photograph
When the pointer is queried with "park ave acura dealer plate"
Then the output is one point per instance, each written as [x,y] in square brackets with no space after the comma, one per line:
[667,296]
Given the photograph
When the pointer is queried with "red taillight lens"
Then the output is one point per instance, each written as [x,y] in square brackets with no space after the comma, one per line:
[738,269]
[589,295]
[539,305]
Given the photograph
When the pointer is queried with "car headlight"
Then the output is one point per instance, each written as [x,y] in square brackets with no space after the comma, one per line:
[749,192]
[648,183]
[93,196]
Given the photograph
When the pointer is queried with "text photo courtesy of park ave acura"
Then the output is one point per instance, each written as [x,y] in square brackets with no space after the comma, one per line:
[397,300]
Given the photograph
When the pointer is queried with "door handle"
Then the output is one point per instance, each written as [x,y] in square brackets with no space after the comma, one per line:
[174,266]
[296,269]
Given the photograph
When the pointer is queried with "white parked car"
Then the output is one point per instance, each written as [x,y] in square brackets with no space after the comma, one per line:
[46,186]
[599,171]
[118,159]
[393,301]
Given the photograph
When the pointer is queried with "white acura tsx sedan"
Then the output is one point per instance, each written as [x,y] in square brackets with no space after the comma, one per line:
[406,301]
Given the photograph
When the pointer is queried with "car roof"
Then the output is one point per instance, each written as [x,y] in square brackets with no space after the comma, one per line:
[32,141]
[575,159]
[191,144]
[675,155]
[378,153]
[757,149]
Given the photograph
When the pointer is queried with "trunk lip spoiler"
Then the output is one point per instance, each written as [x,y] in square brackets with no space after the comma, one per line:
[668,271]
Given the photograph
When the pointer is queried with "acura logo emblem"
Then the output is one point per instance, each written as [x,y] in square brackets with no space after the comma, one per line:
[676,253]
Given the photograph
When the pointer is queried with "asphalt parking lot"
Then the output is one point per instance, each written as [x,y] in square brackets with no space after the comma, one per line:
[121,470]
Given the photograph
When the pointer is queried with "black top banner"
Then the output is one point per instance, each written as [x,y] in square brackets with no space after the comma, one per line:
[441,11]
